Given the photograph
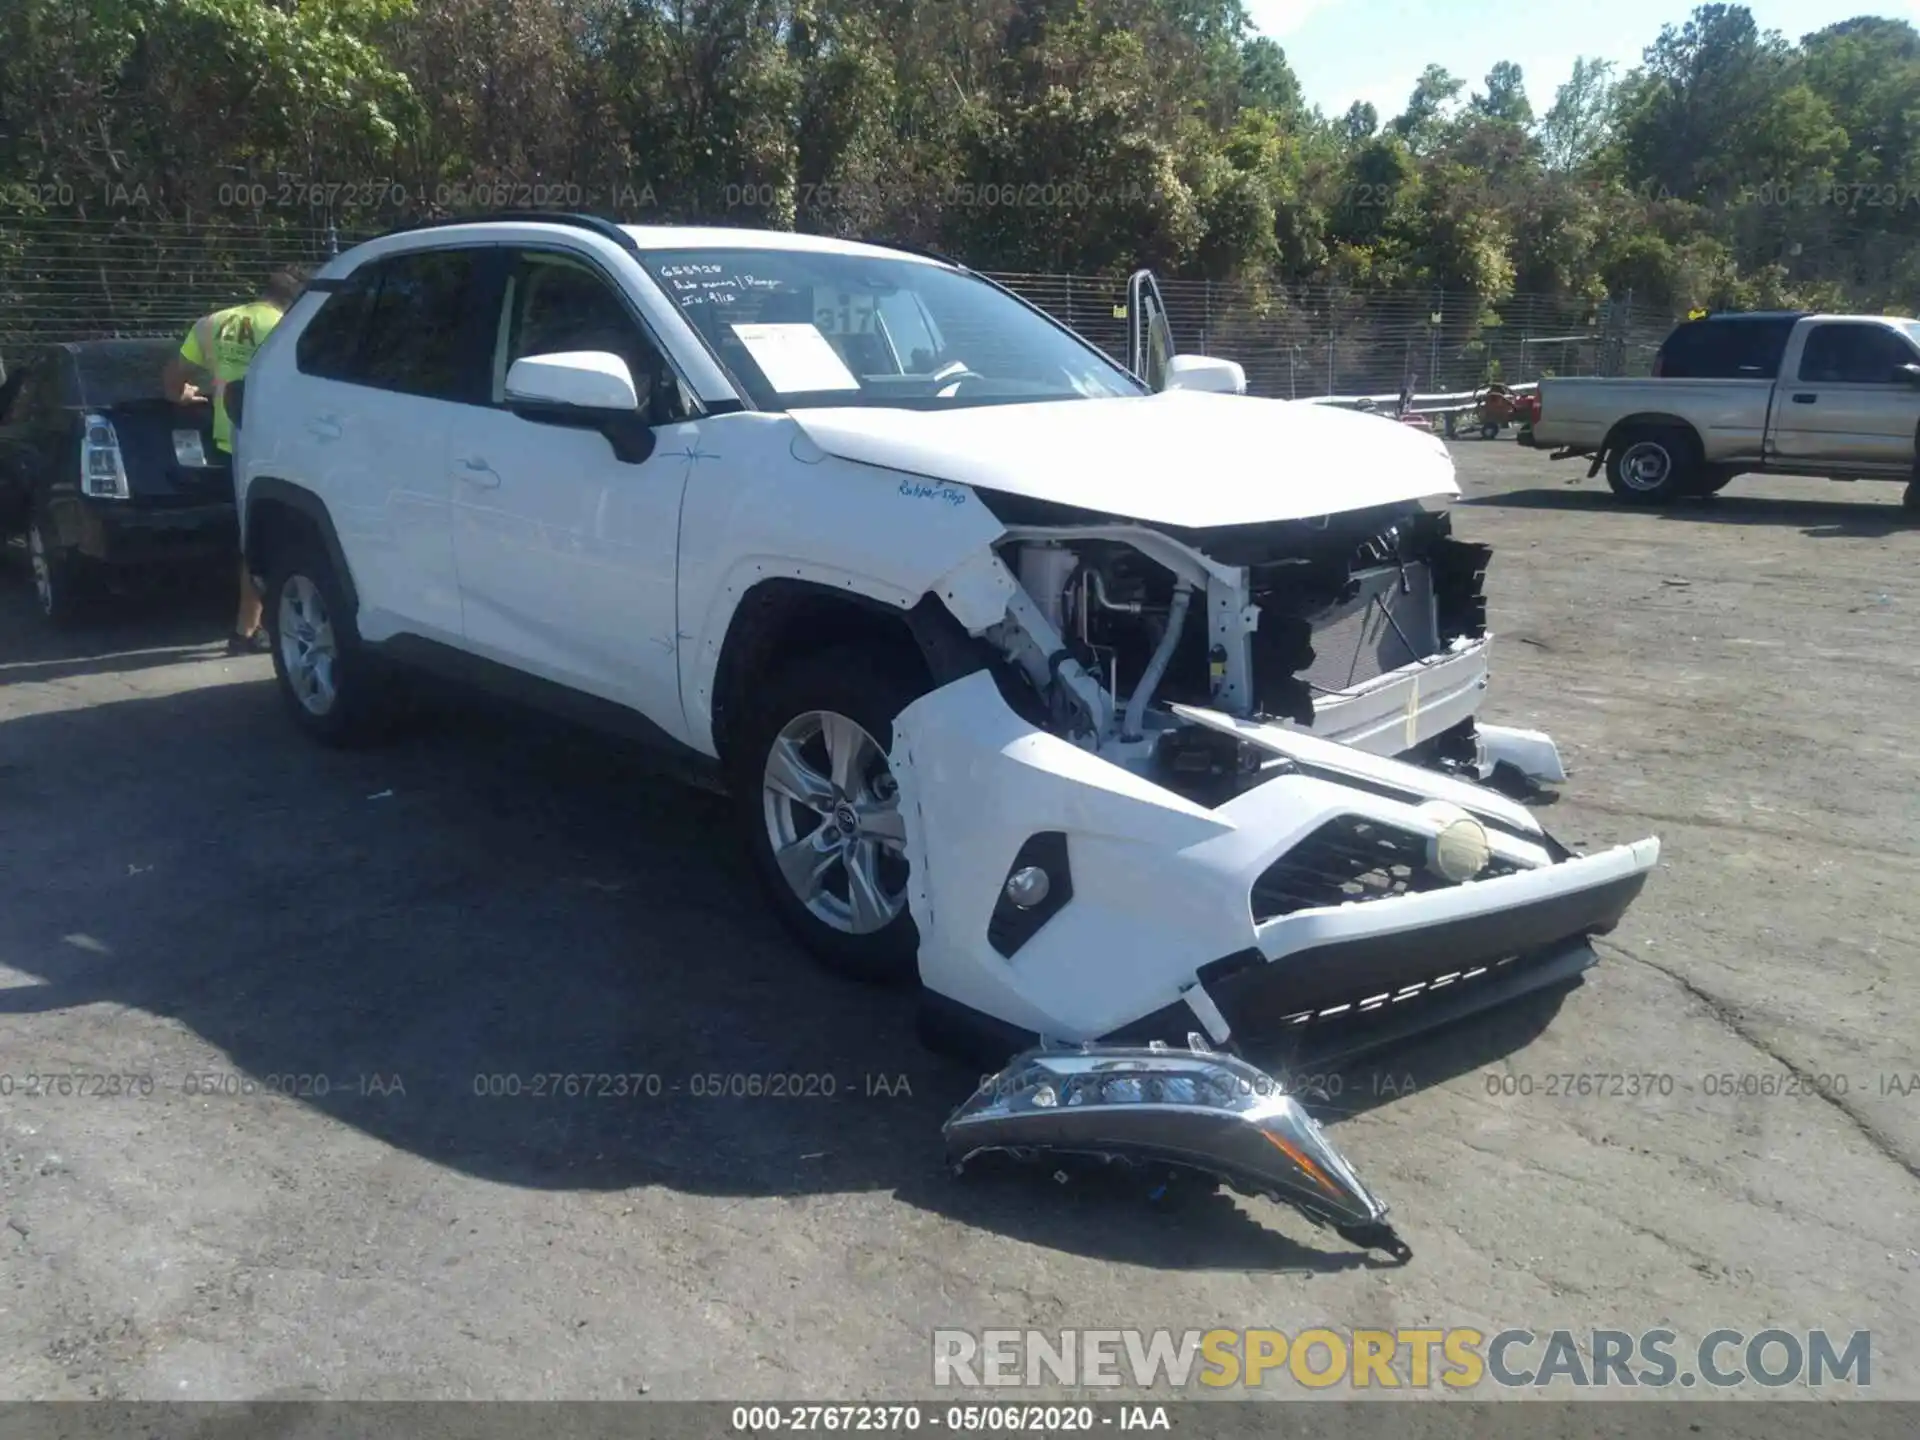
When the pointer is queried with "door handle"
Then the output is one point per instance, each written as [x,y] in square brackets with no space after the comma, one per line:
[1805,399]
[324,427]
[478,472]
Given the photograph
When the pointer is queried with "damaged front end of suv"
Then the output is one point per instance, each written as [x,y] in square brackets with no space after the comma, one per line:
[1224,786]
[1211,770]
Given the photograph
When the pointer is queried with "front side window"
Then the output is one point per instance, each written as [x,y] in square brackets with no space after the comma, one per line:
[419,336]
[799,328]
[555,305]
[1846,354]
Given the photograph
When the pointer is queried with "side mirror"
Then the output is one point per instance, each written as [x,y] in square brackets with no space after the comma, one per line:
[583,389]
[1208,373]
[1908,374]
[593,380]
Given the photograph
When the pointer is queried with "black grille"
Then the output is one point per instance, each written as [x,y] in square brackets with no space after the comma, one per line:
[1350,859]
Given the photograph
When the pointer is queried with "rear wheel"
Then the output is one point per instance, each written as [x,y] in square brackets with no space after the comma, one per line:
[325,675]
[1652,466]
[819,807]
[1712,482]
[1490,431]
[59,585]
[1910,501]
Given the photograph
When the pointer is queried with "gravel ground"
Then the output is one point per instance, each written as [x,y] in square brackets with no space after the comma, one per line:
[191,893]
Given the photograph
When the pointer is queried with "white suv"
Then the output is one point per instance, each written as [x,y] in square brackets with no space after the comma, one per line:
[1074,696]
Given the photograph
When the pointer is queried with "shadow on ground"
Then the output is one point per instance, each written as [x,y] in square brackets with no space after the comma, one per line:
[149,620]
[498,901]
[1821,519]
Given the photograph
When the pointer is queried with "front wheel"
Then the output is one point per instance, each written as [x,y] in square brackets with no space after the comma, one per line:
[324,673]
[1652,466]
[58,585]
[819,807]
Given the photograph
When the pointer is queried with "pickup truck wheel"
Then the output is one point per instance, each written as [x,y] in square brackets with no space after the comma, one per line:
[1910,501]
[1489,431]
[820,808]
[1652,467]
[323,670]
[1711,482]
[59,585]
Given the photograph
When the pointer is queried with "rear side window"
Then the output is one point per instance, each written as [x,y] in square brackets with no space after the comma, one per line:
[1726,349]
[420,332]
[406,324]
[329,348]
[1853,355]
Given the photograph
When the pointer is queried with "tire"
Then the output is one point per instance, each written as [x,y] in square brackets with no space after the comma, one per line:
[1652,465]
[1490,431]
[1712,482]
[1910,501]
[836,703]
[59,584]
[330,683]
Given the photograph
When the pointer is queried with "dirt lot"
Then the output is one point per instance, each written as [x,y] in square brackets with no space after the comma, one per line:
[189,892]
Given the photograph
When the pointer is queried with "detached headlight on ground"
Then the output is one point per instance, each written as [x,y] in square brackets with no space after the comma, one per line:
[1194,1109]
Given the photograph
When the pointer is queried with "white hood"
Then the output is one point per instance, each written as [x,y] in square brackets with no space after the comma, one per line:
[1180,458]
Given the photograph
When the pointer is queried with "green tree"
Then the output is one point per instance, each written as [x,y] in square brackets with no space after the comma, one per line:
[1578,125]
[1506,96]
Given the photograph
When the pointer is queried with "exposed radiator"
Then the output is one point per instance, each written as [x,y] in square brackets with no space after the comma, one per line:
[1382,628]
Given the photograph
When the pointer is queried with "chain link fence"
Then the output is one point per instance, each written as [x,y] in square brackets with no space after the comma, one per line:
[66,279]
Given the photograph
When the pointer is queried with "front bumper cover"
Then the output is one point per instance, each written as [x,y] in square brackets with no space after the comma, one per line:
[1159,935]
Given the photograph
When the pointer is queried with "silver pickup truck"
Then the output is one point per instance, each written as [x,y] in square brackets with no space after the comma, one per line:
[1780,393]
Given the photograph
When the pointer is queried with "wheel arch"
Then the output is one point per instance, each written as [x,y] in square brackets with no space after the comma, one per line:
[1650,420]
[278,512]
[781,618]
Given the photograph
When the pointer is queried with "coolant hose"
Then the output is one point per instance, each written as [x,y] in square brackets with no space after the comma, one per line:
[1157,667]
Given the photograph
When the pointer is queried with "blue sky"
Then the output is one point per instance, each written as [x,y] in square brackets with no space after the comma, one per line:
[1347,50]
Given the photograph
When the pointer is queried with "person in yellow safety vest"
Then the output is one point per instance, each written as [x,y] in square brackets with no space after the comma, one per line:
[216,353]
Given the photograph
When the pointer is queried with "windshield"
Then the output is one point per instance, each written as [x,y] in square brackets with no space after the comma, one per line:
[803,329]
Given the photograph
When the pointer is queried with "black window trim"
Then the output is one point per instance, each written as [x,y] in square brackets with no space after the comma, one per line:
[512,249]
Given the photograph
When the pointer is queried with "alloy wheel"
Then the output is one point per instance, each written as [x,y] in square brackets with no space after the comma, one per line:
[832,813]
[307,646]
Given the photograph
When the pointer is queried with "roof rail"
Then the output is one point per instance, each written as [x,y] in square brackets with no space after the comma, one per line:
[598,224]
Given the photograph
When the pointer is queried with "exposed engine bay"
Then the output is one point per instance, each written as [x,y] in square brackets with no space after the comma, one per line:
[1265,622]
